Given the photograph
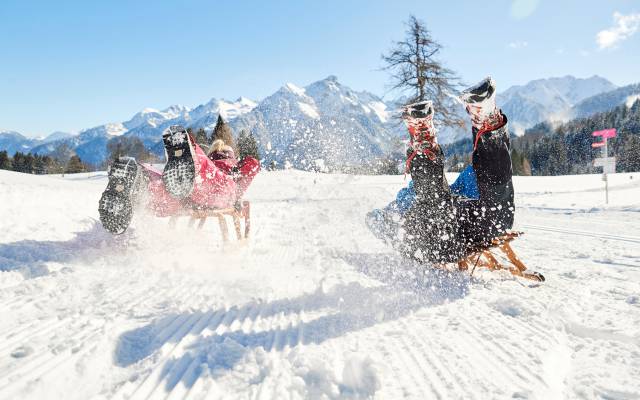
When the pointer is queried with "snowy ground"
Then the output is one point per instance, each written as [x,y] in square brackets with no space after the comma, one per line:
[313,306]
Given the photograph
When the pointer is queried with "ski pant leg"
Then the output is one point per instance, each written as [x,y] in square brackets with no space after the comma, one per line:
[212,187]
[430,225]
[385,223]
[159,200]
[492,214]
[248,169]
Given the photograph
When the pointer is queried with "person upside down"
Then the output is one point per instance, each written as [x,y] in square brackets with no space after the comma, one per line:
[432,222]
[190,179]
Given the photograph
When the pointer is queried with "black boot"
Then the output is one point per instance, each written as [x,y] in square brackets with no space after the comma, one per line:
[180,171]
[119,198]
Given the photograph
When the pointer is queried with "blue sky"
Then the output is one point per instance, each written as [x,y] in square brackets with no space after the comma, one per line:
[69,65]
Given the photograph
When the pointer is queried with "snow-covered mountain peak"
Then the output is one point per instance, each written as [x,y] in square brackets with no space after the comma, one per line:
[11,134]
[294,89]
[541,99]
[57,136]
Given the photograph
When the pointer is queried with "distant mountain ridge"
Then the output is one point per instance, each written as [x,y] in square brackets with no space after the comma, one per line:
[626,95]
[319,126]
[326,123]
[148,125]
[548,99]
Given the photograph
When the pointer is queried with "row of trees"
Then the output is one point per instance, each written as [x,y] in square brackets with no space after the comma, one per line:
[245,145]
[64,160]
[38,164]
[132,146]
[566,149]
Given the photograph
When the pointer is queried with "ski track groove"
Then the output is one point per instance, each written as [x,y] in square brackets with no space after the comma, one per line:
[243,321]
[30,375]
[45,351]
[622,238]
[531,328]
[67,322]
[212,325]
[268,340]
[153,381]
[179,370]
[383,346]
[407,386]
[428,381]
[480,362]
[443,373]
[162,335]
[500,357]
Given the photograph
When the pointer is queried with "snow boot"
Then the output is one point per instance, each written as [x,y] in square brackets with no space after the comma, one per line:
[180,171]
[422,133]
[480,101]
[118,199]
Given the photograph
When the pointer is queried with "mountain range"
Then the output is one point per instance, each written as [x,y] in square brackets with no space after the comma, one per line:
[548,99]
[326,123]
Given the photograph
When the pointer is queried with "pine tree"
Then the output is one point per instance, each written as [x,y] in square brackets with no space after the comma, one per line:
[19,162]
[247,145]
[223,131]
[75,165]
[5,161]
[629,159]
[516,162]
[202,139]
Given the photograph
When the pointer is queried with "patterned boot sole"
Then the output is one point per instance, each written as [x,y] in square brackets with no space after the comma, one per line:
[116,204]
[180,170]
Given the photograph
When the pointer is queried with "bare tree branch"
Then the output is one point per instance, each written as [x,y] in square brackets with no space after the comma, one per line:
[414,69]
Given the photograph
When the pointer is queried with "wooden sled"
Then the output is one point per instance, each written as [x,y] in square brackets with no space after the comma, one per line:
[483,258]
[243,212]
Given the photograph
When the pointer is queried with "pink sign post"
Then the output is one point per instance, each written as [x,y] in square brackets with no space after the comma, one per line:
[607,163]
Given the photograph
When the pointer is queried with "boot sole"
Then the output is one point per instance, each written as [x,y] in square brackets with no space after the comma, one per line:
[116,203]
[180,171]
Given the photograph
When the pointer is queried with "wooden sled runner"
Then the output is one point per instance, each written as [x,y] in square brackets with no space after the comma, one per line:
[243,212]
[483,258]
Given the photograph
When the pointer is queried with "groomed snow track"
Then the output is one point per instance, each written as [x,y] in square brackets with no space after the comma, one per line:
[313,306]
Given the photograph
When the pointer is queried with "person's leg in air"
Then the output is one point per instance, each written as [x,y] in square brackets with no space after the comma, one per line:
[190,174]
[119,198]
[430,225]
[248,168]
[491,215]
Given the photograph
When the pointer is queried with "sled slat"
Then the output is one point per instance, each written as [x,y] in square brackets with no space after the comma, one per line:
[246,210]
[236,225]
[223,227]
[242,212]
[202,221]
[508,251]
[485,259]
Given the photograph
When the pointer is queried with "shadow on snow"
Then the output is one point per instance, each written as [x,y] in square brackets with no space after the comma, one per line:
[29,257]
[216,340]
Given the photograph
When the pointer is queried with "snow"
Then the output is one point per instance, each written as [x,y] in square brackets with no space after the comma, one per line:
[313,306]
[308,110]
[295,89]
[380,109]
[115,129]
[631,100]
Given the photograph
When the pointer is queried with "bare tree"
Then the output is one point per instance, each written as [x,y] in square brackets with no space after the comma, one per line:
[415,69]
